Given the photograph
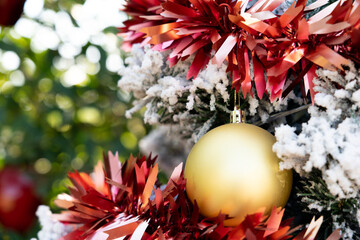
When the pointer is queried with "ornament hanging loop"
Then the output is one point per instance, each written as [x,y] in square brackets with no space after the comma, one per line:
[237,115]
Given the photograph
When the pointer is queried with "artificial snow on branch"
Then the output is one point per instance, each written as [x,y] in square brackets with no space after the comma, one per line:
[329,142]
[51,229]
[169,98]
[190,107]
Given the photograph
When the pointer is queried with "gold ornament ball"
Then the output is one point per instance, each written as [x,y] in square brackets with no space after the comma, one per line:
[233,170]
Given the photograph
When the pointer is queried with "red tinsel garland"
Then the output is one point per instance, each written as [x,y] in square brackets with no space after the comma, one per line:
[117,202]
[281,48]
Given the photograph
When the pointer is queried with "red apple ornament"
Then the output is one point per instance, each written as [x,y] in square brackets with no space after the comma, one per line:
[18,202]
[10,11]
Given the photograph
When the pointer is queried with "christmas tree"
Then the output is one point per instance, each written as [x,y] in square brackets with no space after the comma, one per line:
[289,68]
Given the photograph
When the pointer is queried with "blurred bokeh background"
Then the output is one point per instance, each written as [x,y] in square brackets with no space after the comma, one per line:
[60,106]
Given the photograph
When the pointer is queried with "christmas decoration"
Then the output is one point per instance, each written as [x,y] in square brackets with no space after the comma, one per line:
[233,170]
[125,202]
[311,35]
[282,46]
[115,195]
[18,201]
[10,11]
[272,49]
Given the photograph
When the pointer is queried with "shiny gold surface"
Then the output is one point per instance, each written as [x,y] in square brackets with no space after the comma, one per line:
[233,169]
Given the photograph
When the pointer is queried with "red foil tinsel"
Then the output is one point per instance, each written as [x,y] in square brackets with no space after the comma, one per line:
[125,201]
[281,48]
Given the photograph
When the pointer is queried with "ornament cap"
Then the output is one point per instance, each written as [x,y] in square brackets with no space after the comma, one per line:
[237,115]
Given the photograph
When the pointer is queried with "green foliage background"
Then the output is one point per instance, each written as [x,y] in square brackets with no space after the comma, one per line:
[48,129]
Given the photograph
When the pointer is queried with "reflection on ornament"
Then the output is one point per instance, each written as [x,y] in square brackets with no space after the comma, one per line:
[233,170]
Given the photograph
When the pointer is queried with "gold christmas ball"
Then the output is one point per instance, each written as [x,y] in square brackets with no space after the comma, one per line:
[233,170]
